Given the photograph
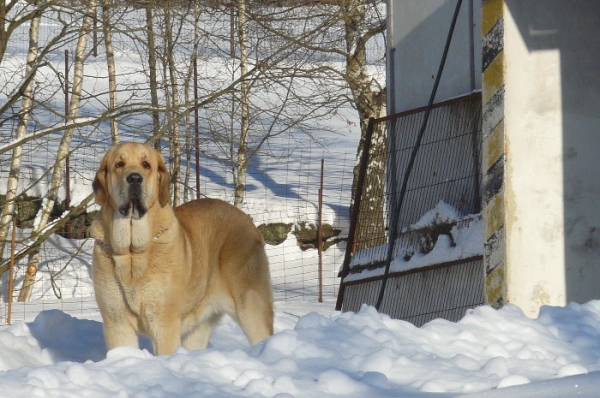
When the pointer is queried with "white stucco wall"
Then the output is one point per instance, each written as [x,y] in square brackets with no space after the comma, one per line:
[534,175]
[552,138]
[417,35]
[550,190]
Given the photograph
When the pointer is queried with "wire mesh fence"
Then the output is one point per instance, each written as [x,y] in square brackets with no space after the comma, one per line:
[282,192]
[291,109]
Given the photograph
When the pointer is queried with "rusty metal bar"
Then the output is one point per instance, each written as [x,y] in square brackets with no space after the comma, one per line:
[95,34]
[364,160]
[320,232]
[11,269]
[67,166]
[196,126]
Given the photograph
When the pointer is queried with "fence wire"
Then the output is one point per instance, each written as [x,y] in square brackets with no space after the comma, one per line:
[279,190]
[285,130]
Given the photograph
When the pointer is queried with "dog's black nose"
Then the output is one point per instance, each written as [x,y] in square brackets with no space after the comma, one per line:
[135,179]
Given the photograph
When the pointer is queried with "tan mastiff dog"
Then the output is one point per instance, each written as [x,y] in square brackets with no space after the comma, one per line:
[172,273]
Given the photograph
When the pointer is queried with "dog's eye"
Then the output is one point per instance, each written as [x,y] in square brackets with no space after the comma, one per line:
[120,164]
[146,165]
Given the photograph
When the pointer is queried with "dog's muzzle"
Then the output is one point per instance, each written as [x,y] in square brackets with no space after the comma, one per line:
[134,192]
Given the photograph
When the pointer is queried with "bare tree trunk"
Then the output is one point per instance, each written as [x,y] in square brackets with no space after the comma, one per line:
[242,161]
[153,78]
[369,100]
[173,113]
[11,23]
[110,62]
[4,35]
[189,133]
[24,115]
[232,117]
[63,151]
[188,138]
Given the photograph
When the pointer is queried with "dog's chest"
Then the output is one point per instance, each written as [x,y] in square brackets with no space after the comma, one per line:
[131,272]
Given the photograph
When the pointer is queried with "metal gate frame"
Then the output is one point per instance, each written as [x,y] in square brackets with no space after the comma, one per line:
[447,167]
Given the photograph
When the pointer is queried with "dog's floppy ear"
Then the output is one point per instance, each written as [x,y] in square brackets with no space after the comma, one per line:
[164,182]
[99,184]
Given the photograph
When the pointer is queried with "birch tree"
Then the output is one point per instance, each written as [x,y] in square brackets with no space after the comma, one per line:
[362,24]
[12,18]
[172,98]
[240,167]
[152,74]
[110,63]
[191,136]
[63,150]
[24,115]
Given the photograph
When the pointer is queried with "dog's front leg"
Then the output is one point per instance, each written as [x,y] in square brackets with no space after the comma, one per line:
[119,333]
[165,332]
[119,323]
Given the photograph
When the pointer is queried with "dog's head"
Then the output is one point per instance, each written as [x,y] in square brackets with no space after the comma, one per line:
[132,177]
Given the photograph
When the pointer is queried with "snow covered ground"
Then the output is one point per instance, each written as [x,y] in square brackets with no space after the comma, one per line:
[316,352]
[465,240]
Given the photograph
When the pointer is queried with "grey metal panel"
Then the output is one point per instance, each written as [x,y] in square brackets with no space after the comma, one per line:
[446,168]
[447,163]
[444,291]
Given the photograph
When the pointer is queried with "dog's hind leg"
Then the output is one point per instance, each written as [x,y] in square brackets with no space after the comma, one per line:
[254,313]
